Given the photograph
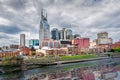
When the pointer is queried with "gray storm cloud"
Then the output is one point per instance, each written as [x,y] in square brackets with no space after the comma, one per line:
[85,17]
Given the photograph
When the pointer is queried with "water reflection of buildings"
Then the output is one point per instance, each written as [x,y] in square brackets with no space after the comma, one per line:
[109,75]
[104,72]
[76,74]
[101,71]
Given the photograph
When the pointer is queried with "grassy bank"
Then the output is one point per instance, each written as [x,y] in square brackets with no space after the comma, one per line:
[11,61]
[76,57]
[48,59]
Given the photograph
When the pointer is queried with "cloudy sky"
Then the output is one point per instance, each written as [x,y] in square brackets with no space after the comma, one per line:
[84,17]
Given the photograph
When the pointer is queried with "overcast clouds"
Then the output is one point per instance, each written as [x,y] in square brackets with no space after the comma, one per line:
[85,17]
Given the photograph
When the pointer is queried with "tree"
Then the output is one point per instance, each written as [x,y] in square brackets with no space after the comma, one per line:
[116,49]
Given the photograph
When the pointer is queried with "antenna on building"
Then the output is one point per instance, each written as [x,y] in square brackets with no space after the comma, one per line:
[46,15]
[41,12]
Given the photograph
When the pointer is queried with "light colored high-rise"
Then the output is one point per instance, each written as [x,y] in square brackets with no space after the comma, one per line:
[22,39]
[102,35]
[63,34]
[103,38]
[44,29]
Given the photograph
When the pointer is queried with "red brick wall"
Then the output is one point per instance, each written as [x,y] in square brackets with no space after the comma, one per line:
[82,42]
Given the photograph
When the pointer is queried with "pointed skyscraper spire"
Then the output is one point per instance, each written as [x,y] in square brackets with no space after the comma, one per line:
[41,13]
[46,15]
[44,29]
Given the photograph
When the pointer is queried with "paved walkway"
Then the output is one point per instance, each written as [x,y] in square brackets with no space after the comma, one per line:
[80,60]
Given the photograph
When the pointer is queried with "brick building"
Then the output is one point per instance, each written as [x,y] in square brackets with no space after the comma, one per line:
[82,42]
[115,45]
[50,44]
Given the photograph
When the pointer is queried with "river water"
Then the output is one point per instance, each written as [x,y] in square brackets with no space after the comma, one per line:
[106,69]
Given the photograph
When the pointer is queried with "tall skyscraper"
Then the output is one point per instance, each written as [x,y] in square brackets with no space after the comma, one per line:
[44,29]
[66,34]
[103,38]
[69,34]
[102,35]
[63,34]
[55,34]
[59,33]
[22,39]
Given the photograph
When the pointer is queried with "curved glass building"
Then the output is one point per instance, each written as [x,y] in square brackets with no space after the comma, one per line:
[44,29]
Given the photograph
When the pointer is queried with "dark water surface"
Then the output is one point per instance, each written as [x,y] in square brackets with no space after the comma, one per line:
[107,69]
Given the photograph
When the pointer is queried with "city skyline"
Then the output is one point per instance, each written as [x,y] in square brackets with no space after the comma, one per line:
[84,17]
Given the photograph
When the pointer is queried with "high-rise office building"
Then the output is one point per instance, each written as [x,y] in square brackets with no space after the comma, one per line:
[44,29]
[59,33]
[69,34]
[63,34]
[102,35]
[103,38]
[22,39]
[55,34]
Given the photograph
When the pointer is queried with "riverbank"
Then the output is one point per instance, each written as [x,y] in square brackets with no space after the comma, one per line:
[37,63]
[63,71]
[78,60]
[82,60]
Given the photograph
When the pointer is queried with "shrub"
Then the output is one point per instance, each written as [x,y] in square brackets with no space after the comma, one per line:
[11,61]
[116,49]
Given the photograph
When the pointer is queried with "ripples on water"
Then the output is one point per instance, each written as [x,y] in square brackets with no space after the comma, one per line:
[108,69]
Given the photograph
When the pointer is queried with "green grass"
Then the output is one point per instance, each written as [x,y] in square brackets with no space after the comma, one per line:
[117,49]
[76,57]
[62,58]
